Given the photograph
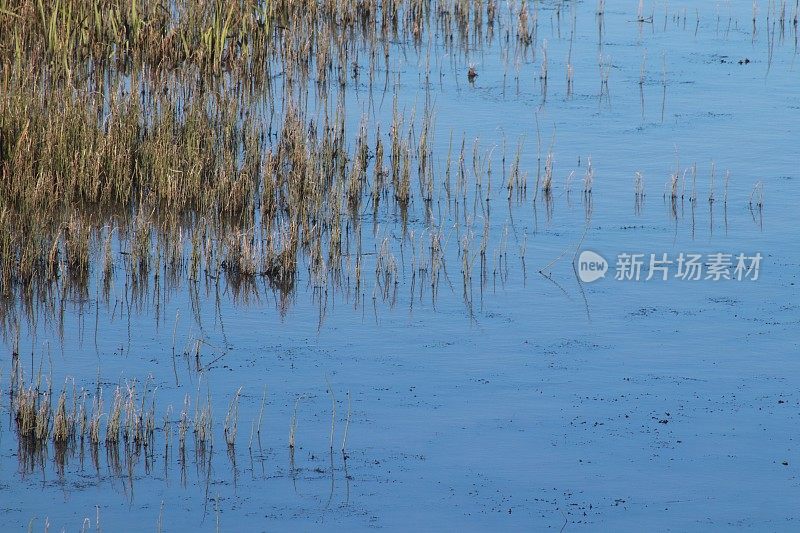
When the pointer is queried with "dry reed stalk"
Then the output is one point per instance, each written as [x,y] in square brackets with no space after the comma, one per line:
[231,427]
[114,418]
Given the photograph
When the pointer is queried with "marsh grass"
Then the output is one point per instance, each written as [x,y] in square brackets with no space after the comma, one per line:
[171,144]
[202,156]
[130,436]
[215,143]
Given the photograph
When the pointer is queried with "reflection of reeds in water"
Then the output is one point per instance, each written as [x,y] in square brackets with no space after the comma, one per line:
[386,272]
[711,183]
[293,426]
[524,32]
[757,195]
[638,192]
[757,203]
[605,66]
[547,181]
[517,184]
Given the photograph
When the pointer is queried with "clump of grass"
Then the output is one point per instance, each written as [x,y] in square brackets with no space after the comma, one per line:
[26,411]
[62,423]
[547,181]
[232,420]
[43,414]
[203,424]
[94,421]
[133,428]
[114,422]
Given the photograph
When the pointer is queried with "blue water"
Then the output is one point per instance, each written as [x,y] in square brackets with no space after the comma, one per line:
[539,403]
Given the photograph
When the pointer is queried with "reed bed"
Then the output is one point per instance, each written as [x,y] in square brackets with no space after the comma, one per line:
[154,143]
[42,422]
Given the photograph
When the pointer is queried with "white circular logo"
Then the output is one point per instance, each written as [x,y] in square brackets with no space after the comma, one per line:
[591,266]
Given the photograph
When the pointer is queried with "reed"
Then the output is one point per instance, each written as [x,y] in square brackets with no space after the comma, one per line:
[114,418]
[673,186]
[605,66]
[524,33]
[94,421]
[638,192]
[231,427]
[203,424]
[62,424]
[638,185]
[183,424]
[256,428]
[712,180]
[547,181]
[725,193]
[543,67]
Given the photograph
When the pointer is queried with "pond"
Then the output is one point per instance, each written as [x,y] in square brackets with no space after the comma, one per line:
[428,264]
